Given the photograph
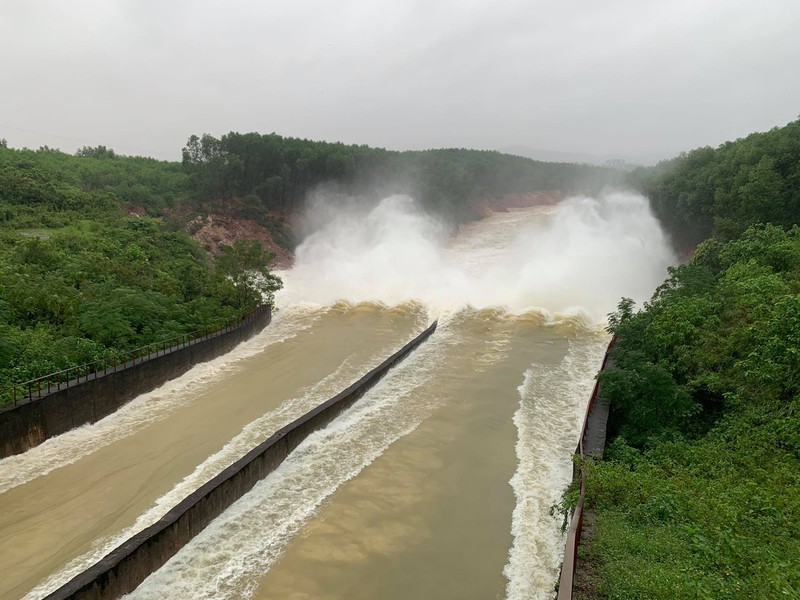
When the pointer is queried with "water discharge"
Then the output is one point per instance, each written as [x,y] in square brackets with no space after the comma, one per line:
[72,514]
[581,255]
[407,494]
[437,483]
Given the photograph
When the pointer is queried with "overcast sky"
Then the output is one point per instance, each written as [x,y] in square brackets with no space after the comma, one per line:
[628,78]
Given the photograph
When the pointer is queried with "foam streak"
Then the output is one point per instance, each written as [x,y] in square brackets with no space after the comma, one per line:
[548,421]
[228,557]
[582,254]
[152,406]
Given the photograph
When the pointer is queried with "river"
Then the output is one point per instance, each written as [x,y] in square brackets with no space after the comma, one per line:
[438,483]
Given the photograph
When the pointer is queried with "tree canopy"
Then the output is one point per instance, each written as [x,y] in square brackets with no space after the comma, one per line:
[698,494]
[722,191]
[280,172]
[80,279]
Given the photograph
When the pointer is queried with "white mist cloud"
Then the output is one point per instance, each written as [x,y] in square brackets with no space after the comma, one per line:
[591,253]
[581,255]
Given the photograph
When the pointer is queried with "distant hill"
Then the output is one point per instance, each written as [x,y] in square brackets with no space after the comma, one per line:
[277,172]
[722,191]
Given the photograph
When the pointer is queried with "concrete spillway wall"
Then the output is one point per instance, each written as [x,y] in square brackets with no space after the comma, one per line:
[50,414]
[591,444]
[128,565]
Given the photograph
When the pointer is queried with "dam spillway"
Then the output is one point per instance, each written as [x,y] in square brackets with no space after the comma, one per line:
[405,495]
[68,502]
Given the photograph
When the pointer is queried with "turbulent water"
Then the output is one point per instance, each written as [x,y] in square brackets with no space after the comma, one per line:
[436,484]
[73,499]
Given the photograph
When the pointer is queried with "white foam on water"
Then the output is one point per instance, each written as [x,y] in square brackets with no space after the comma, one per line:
[251,435]
[583,253]
[229,557]
[152,406]
[553,401]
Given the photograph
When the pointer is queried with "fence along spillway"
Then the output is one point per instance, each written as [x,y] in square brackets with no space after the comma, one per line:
[124,568]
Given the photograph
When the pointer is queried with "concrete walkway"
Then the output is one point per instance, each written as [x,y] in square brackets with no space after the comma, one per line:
[594,439]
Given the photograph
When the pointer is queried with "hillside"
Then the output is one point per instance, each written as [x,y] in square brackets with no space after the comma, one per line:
[88,268]
[722,191]
[698,494]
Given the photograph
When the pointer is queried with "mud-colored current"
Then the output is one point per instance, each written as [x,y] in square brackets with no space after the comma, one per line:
[438,483]
[432,516]
[100,483]
[407,494]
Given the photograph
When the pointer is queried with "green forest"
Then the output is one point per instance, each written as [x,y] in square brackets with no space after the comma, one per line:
[95,258]
[82,280]
[698,493]
[277,173]
[720,192]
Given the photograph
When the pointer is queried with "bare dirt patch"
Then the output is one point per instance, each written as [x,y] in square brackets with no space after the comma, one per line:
[214,230]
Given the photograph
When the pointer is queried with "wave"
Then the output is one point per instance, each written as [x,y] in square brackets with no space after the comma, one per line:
[152,406]
[585,252]
[548,421]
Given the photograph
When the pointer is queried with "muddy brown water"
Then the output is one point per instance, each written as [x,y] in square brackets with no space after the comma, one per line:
[438,483]
[70,514]
[431,517]
[407,494]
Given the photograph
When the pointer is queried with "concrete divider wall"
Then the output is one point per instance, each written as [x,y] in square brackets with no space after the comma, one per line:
[31,422]
[590,444]
[122,570]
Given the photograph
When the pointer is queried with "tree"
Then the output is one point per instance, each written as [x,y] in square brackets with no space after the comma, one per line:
[763,198]
[98,152]
[246,266]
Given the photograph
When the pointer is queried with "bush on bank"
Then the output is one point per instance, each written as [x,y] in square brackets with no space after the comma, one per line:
[81,280]
[699,492]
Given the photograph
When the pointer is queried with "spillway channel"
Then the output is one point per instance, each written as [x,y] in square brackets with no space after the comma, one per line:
[437,483]
[68,502]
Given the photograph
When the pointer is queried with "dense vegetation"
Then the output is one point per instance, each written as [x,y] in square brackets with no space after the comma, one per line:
[722,191]
[698,495]
[80,279]
[279,172]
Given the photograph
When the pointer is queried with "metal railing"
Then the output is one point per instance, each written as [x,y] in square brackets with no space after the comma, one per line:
[59,380]
[570,563]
